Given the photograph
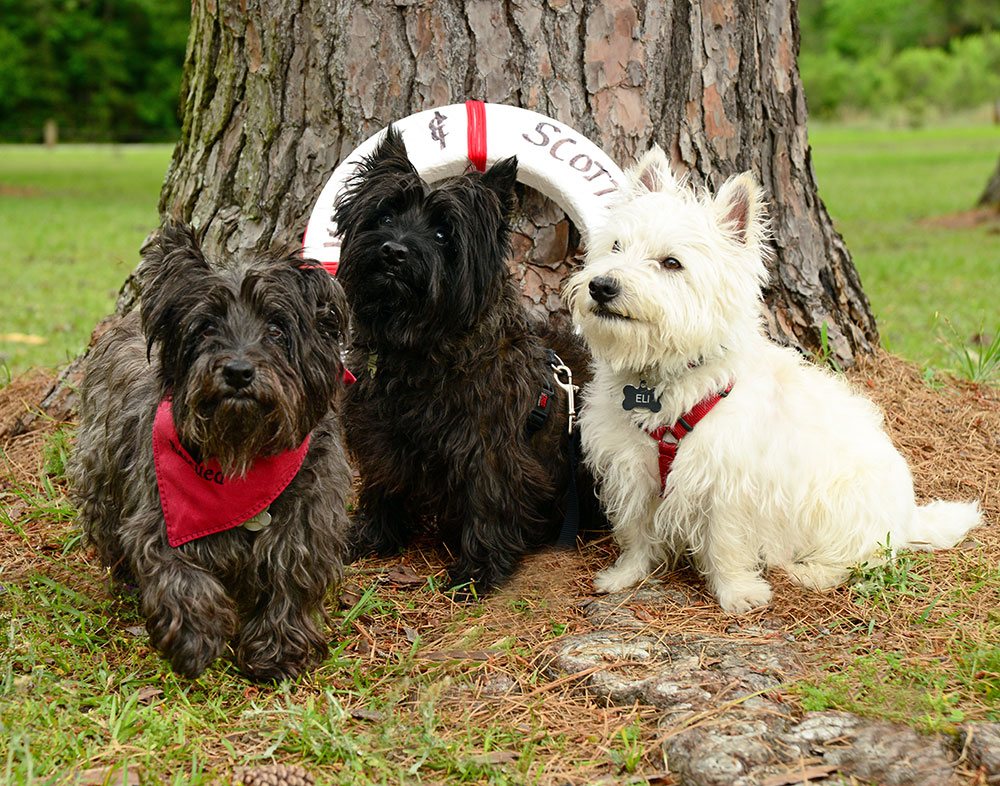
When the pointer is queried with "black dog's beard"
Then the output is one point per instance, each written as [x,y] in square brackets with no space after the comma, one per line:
[236,429]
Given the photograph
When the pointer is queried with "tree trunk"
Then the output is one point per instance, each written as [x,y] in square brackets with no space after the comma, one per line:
[276,94]
[991,194]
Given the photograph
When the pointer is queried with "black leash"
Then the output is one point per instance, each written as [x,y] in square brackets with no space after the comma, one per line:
[563,376]
[571,521]
[537,418]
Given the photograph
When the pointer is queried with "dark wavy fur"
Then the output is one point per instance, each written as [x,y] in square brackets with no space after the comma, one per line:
[260,593]
[448,370]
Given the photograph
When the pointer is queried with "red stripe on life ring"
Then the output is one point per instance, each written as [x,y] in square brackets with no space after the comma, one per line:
[476,111]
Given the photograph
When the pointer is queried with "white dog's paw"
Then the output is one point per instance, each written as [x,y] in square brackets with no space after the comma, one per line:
[739,597]
[816,575]
[617,578]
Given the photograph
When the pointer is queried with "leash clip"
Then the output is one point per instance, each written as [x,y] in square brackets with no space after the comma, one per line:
[563,377]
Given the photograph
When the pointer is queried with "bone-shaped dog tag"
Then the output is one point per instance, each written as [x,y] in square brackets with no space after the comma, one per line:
[258,522]
[641,397]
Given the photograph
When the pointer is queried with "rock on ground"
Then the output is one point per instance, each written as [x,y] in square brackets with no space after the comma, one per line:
[724,723]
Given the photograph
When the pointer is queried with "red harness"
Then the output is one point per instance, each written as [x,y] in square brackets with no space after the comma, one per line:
[685,425]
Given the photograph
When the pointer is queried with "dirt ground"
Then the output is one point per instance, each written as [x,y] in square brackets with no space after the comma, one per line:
[950,435]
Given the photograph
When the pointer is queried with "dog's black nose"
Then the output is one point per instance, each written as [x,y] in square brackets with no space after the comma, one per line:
[238,373]
[604,289]
[394,252]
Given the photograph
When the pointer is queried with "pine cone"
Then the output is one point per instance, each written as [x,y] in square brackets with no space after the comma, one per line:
[276,775]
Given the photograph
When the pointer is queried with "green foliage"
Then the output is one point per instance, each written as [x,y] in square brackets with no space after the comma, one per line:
[55,453]
[980,670]
[964,75]
[102,69]
[902,59]
[975,363]
[891,575]
[628,753]
[825,356]
[886,685]
[855,28]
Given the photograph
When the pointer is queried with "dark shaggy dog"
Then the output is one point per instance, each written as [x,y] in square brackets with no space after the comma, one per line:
[448,370]
[249,356]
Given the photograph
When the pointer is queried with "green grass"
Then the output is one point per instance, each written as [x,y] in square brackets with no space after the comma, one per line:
[950,667]
[878,185]
[80,688]
[71,223]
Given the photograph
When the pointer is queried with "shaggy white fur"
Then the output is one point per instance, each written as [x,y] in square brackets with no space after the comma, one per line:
[791,470]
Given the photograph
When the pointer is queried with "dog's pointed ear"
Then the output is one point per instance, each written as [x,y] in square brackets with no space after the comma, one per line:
[385,166]
[174,243]
[652,173]
[172,264]
[390,154]
[740,209]
[500,179]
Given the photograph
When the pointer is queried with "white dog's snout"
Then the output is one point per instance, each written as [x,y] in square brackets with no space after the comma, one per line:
[603,289]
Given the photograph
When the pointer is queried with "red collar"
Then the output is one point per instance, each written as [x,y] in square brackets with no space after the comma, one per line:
[198,499]
[684,425]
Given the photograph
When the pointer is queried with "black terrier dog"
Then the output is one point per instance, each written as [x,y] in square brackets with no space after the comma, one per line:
[209,465]
[450,375]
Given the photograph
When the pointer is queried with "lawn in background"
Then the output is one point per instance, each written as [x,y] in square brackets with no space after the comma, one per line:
[71,223]
[880,186]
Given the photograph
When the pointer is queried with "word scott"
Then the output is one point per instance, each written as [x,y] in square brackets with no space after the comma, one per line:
[581,162]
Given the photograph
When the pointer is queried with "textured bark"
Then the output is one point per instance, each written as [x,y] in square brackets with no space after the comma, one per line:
[991,194]
[276,94]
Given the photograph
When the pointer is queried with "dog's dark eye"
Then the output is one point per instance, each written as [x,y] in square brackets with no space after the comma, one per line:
[209,331]
[274,332]
[671,263]
[385,218]
[616,247]
[441,236]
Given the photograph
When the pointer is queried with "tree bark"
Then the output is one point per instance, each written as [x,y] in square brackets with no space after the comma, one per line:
[275,94]
[991,194]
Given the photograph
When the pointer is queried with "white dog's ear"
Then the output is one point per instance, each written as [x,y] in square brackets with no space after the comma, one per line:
[652,173]
[740,208]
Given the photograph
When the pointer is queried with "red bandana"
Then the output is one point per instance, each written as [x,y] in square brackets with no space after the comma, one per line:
[198,499]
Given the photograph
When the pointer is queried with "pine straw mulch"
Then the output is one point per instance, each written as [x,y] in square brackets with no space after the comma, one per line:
[484,664]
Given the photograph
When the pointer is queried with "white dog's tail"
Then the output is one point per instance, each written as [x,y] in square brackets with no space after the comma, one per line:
[941,525]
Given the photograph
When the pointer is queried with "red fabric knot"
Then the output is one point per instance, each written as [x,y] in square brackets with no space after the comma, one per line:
[684,425]
[476,113]
[198,499]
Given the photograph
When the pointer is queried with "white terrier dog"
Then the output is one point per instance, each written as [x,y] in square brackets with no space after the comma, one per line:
[790,469]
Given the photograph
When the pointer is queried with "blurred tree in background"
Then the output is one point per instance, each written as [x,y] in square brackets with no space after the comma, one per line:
[908,57]
[103,70]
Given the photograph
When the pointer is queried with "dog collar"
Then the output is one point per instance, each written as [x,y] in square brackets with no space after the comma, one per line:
[198,499]
[683,426]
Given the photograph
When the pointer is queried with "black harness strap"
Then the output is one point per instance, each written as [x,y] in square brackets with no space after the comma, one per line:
[538,417]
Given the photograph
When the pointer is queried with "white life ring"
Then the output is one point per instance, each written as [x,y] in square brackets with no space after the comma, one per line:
[552,158]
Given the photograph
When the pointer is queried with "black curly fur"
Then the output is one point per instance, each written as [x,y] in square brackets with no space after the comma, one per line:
[259,593]
[448,370]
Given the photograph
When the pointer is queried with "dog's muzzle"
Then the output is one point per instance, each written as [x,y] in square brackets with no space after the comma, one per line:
[604,289]
[393,252]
